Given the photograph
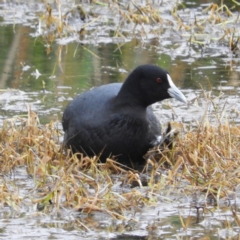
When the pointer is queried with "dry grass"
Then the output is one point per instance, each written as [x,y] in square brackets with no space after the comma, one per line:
[61,179]
[205,159]
[214,24]
[203,165]
[208,158]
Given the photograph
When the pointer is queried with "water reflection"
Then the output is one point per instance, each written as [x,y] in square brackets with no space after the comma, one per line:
[68,70]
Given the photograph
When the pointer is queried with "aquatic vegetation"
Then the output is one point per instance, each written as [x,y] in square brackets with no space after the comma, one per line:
[202,165]
[197,180]
[158,22]
[146,21]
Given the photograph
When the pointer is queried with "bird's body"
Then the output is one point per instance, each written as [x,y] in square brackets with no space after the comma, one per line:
[109,130]
[116,120]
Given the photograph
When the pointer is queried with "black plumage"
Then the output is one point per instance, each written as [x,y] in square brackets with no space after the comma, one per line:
[116,120]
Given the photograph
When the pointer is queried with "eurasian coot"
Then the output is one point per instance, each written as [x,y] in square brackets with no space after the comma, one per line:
[116,120]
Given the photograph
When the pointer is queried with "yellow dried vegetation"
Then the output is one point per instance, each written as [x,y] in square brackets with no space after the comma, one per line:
[216,23]
[60,178]
[208,158]
[205,159]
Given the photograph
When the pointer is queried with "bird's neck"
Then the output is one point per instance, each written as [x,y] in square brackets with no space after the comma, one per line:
[130,93]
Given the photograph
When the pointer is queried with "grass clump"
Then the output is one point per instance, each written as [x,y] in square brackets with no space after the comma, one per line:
[203,160]
[209,157]
[60,178]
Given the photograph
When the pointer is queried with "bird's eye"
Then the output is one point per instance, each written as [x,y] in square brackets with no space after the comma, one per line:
[159,80]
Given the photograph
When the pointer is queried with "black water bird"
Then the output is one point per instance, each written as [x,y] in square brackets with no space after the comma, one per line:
[116,120]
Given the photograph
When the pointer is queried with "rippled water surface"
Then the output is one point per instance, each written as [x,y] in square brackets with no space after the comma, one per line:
[48,76]
[44,70]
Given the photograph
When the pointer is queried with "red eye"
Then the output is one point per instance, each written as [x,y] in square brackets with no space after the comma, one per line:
[158,80]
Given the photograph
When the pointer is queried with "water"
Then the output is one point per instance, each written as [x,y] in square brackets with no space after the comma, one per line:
[47,75]
[59,81]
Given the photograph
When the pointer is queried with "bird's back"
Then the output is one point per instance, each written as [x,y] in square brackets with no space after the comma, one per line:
[94,124]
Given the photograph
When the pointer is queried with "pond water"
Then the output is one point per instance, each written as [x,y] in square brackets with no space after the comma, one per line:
[48,76]
[46,71]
